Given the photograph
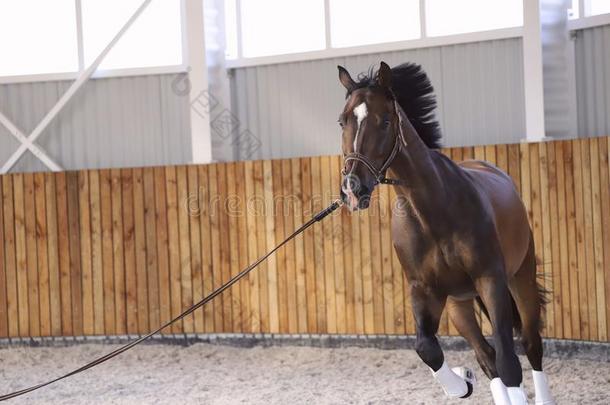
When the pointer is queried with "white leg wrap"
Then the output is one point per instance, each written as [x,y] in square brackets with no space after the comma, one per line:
[517,395]
[499,392]
[453,385]
[541,388]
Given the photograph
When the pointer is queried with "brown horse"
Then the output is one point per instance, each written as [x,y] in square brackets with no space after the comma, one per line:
[460,230]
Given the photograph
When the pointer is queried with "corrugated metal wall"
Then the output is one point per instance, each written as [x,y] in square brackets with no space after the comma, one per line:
[593,81]
[293,107]
[114,122]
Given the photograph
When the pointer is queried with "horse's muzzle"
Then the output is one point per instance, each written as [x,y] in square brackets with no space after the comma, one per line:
[354,194]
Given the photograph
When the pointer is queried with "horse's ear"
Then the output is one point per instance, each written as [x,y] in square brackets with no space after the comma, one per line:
[345,79]
[384,76]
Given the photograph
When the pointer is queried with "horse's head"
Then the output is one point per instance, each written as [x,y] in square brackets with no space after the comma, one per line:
[370,126]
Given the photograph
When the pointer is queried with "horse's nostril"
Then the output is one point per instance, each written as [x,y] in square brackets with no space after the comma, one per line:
[351,183]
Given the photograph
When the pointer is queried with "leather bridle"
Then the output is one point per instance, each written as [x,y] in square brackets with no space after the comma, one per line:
[379,174]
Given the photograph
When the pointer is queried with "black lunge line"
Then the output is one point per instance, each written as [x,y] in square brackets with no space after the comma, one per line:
[316,218]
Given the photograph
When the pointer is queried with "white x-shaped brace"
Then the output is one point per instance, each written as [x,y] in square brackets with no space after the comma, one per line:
[35,149]
[84,76]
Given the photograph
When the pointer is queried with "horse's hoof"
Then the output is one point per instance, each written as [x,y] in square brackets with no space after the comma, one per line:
[469,378]
[469,392]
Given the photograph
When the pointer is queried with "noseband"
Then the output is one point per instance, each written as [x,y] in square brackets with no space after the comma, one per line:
[379,174]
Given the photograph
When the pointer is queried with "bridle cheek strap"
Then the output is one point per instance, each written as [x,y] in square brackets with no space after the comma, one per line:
[379,174]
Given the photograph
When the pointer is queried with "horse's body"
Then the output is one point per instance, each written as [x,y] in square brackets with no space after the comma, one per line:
[460,231]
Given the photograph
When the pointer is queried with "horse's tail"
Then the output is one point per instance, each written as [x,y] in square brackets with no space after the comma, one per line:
[542,299]
[516,317]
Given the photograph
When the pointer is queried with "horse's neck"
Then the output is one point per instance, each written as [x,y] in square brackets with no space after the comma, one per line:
[416,165]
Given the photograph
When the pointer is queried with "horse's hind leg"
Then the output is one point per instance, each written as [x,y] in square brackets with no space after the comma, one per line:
[463,317]
[530,302]
[495,295]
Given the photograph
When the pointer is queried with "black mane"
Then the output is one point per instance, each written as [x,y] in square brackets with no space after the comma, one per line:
[415,94]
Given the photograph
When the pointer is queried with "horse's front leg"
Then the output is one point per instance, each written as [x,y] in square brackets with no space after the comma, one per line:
[427,310]
[493,290]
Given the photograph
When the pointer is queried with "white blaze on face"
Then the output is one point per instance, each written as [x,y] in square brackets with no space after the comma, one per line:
[360,112]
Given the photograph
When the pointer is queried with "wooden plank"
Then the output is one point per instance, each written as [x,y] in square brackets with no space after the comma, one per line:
[225,247]
[12,298]
[233,248]
[553,262]
[339,241]
[318,248]
[4,319]
[193,207]
[572,238]
[604,150]
[63,239]
[398,278]
[546,236]
[329,265]
[31,254]
[580,240]
[300,269]
[85,251]
[376,266]
[42,240]
[215,207]
[261,242]
[174,247]
[562,234]
[356,268]
[588,229]
[368,290]
[97,270]
[598,242]
[21,256]
[161,227]
[278,217]
[252,247]
[347,249]
[109,310]
[288,197]
[140,251]
[309,247]
[240,211]
[118,250]
[152,262]
[185,248]
[206,245]
[514,165]
[386,270]
[75,270]
[536,207]
[502,157]
[272,277]
[129,241]
[55,287]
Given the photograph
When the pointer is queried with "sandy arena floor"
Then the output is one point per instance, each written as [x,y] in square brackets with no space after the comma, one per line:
[211,374]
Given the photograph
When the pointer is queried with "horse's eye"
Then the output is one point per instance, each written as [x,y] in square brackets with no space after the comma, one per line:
[386,123]
[341,124]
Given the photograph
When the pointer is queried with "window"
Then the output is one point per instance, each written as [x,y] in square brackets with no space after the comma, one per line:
[37,36]
[361,22]
[573,9]
[596,7]
[154,39]
[447,17]
[230,20]
[272,27]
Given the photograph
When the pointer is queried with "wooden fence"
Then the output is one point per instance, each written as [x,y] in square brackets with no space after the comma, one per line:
[105,252]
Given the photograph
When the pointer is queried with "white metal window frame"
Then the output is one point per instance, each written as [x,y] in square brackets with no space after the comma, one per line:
[103,73]
[425,41]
